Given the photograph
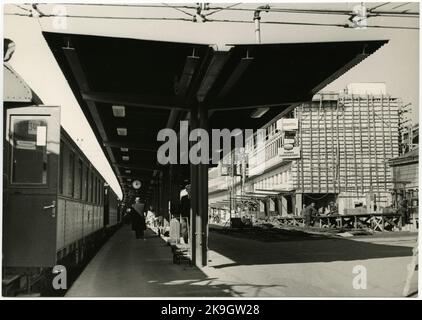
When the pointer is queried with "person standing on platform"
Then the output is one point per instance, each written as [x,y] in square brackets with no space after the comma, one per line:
[138,222]
[185,213]
[404,212]
[308,213]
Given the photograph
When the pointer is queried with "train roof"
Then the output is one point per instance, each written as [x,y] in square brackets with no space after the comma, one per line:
[16,90]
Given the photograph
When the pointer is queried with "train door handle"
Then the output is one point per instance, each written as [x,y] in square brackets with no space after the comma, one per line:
[52,207]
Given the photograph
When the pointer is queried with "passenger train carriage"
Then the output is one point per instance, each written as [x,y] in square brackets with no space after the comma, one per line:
[57,208]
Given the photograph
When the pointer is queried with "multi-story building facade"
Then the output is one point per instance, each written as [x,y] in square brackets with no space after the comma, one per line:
[333,148]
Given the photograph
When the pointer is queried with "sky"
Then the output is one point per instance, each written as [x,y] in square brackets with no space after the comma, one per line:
[396,64]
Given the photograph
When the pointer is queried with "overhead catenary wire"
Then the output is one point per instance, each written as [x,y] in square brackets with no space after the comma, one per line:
[271,9]
[42,15]
[311,24]
[379,6]
[218,10]
[326,12]
[402,5]
[22,8]
[178,9]
[152,6]
[101,17]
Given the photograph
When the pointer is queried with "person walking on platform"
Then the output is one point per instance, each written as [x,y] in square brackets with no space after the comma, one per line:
[138,219]
[308,213]
[185,214]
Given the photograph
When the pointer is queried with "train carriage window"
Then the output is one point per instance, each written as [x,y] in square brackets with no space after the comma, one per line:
[91,188]
[29,152]
[80,174]
[86,183]
[61,172]
[102,193]
[94,186]
[96,191]
[99,191]
[100,184]
[71,174]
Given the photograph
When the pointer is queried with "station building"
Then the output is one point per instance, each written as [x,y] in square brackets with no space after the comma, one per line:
[334,148]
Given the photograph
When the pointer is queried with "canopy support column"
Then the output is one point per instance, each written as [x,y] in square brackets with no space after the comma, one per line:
[199,192]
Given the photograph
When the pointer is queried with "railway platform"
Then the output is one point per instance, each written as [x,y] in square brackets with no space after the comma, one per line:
[128,267]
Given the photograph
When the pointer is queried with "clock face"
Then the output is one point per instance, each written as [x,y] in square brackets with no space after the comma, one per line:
[136,184]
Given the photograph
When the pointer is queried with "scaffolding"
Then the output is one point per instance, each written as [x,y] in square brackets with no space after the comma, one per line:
[346,141]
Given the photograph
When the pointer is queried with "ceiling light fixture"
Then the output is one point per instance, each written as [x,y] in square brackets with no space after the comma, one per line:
[122,131]
[258,113]
[119,111]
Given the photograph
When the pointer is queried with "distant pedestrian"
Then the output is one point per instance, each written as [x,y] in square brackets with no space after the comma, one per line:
[138,219]
[404,212]
[185,213]
[309,213]
[139,206]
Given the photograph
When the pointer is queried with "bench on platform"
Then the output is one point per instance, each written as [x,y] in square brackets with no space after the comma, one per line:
[181,253]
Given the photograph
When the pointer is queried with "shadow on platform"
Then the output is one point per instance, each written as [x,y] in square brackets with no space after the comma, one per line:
[247,251]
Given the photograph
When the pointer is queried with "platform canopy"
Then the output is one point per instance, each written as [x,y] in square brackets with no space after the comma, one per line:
[158,83]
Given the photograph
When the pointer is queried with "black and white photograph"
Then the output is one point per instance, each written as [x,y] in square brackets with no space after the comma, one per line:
[256,150]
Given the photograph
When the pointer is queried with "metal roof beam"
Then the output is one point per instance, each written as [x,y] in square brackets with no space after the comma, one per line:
[185,80]
[173,116]
[355,61]
[128,166]
[135,100]
[81,79]
[130,146]
[235,76]
[278,105]
[214,69]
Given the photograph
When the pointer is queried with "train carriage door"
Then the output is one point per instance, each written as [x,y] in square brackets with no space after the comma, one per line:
[31,160]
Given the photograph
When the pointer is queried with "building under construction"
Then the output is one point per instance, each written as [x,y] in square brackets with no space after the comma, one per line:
[334,148]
